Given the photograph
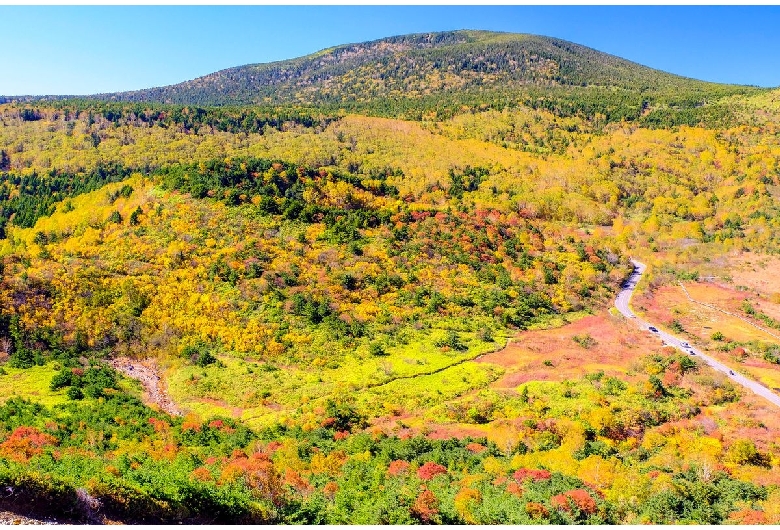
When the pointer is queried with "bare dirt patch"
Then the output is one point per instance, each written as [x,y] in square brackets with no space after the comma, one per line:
[148,373]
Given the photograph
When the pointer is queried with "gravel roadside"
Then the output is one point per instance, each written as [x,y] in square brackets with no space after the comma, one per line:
[10,518]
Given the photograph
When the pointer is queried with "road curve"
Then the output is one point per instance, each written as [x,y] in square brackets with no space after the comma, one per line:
[621,303]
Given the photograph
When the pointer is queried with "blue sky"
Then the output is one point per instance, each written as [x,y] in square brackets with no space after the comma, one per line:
[90,49]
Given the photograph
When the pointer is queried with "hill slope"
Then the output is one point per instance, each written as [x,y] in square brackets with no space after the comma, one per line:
[414,66]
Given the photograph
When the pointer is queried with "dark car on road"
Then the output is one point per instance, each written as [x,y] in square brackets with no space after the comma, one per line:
[654,330]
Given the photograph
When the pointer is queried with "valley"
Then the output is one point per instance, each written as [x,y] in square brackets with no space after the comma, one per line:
[296,293]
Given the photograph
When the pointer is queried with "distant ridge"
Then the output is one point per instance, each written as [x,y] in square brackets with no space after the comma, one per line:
[415,66]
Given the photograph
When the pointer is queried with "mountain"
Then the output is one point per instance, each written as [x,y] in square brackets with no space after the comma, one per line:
[420,65]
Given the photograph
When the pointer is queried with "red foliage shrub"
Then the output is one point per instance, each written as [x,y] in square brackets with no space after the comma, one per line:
[170,451]
[595,488]
[426,506]
[328,422]
[560,502]
[273,446]
[582,500]
[739,352]
[258,456]
[221,426]
[534,474]
[671,379]
[340,435]
[475,448]
[526,213]
[419,216]
[571,499]
[536,510]
[674,367]
[258,473]
[24,443]
[398,467]
[430,469]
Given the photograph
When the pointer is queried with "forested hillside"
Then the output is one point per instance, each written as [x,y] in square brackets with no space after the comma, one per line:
[354,318]
[442,74]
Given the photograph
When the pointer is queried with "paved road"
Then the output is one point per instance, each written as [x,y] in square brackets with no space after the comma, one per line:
[621,303]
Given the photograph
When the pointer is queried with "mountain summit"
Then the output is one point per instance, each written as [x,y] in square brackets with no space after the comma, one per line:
[416,66]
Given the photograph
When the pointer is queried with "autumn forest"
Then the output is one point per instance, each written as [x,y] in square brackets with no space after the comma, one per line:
[375,286]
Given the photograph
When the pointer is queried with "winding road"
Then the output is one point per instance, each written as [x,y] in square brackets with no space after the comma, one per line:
[622,305]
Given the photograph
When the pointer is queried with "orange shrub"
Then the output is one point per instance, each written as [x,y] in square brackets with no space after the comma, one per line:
[296,481]
[201,474]
[514,489]
[330,489]
[536,510]
[159,425]
[747,516]
[190,423]
[475,447]
[258,473]
[398,467]
[426,506]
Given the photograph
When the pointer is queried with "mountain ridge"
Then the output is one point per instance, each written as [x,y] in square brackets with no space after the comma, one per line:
[420,65]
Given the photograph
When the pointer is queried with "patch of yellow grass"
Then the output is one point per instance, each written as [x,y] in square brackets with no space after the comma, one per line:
[709,294]
[31,383]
